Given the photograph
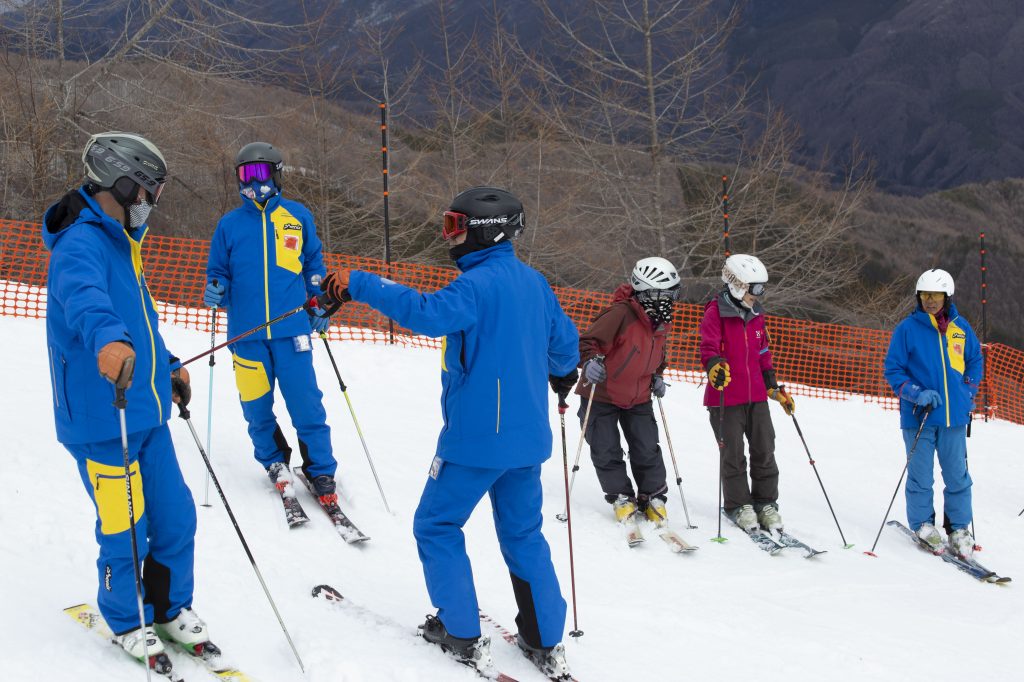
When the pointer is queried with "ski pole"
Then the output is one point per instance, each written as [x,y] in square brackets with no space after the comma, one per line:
[924,418]
[564,516]
[209,401]
[344,392]
[311,303]
[846,545]
[721,454]
[562,407]
[121,403]
[184,414]
[675,465]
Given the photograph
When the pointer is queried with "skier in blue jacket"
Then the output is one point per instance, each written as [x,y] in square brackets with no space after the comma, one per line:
[101,330]
[934,361]
[504,335]
[266,259]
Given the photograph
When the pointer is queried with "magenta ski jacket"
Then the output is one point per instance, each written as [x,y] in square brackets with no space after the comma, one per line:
[739,336]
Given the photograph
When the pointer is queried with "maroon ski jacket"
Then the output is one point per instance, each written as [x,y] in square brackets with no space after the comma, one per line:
[634,351]
[738,335]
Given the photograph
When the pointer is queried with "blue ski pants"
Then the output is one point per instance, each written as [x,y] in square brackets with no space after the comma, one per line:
[451,493]
[951,445]
[165,526]
[258,364]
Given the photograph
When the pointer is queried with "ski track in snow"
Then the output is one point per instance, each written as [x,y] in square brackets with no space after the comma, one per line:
[644,611]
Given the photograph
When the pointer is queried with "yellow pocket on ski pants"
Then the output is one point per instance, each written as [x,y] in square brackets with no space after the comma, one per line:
[251,378]
[111,495]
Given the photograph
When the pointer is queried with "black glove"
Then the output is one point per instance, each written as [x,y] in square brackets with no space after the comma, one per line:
[563,385]
[658,386]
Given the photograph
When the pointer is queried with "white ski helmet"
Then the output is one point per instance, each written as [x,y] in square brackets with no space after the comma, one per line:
[741,272]
[653,273]
[935,280]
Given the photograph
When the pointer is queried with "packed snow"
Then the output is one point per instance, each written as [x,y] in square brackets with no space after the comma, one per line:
[725,612]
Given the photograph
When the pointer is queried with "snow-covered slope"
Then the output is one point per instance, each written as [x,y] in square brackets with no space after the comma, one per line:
[724,612]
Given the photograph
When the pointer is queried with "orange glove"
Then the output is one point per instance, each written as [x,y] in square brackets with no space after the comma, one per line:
[779,394]
[335,285]
[116,363]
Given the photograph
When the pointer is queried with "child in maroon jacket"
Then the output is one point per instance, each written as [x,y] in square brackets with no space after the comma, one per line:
[623,356]
[734,351]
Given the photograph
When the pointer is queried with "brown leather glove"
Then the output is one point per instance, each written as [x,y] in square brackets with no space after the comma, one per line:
[116,363]
[181,387]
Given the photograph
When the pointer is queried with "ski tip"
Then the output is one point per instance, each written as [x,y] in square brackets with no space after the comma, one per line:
[327,592]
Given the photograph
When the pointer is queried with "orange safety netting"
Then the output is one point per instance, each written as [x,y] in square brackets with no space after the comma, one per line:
[821,360]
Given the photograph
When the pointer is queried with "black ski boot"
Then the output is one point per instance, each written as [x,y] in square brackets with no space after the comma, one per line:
[474,652]
[550,660]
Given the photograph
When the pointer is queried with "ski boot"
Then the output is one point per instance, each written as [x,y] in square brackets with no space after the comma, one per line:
[325,491]
[931,536]
[474,651]
[132,642]
[188,631]
[624,507]
[281,478]
[744,517]
[769,518]
[962,543]
[655,511]
[550,660]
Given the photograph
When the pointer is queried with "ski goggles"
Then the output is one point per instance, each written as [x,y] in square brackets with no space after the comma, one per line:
[756,289]
[454,224]
[937,296]
[258,171]
[671,295]
[128,187]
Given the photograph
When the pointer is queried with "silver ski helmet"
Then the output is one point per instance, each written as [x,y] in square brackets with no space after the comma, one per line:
[112,159]
[262,155]
[744,274]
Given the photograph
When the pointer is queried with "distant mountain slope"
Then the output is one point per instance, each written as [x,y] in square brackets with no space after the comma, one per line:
[932,89]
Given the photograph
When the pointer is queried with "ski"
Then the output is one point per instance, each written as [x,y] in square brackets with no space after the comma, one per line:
[294,514]
[333,596]
[673,540]
[968,566]
[787,540]
[209,656]
[510,637]
[88,616]
[631,530]
[760,538]
[346,529]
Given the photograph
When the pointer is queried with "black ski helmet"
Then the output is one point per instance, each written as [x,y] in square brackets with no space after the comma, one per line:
[261,151]
[494,215]
[112,156]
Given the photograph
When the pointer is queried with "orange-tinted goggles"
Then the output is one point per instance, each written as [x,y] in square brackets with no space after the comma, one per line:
[454,224]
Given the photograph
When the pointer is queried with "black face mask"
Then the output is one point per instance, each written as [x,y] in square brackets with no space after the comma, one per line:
[465,248]
[658,308]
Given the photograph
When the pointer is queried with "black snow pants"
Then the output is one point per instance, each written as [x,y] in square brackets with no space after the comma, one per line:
[754,421]
[645,459]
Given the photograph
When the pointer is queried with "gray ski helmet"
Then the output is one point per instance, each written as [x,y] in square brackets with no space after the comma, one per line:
[261,151]
[113,155]
[495,215]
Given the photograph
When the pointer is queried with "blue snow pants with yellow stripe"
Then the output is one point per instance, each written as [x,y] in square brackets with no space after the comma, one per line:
[950,443]
[258,364]
[451,494]
[165,526]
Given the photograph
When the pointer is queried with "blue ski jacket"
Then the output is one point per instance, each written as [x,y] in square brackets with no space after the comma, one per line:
[96,294]
[270,260]
[504,333]
[920,357]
